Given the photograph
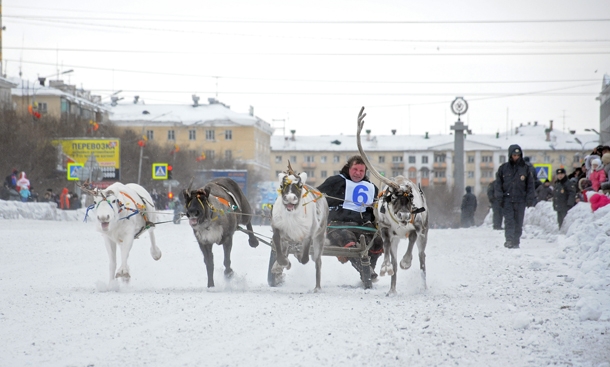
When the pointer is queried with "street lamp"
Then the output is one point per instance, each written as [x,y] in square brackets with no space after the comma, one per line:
[595,131]
[142,145]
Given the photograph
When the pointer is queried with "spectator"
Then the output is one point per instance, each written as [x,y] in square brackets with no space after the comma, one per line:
[11,180]
[469,206]
[64,199]
[495,206]
[33,195]
[25,194]
[339,190]
[544,192]
[564,195]
[23,182]
[514,188]
[584,186]
[597,175]
[74,201]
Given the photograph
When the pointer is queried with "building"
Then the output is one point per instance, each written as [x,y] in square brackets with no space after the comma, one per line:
[6,101]
[428,159]
[59,100]
[210,130]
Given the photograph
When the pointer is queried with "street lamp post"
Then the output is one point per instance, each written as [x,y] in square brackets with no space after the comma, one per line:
[142,145]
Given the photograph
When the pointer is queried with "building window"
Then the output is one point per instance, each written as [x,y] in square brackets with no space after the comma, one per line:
[562,159]
[192,134]
[439,158]
[424,159]
[64,106]
[382,159]
[335,172]
[412,174]
[309,159]
[171,135]
[547,158]
[209,154]
[396,159]
[487,159]
[309,173]
[576,158]
[278,159]
[277,173]
[439,174]
[502,159]
[470,174]
[293,159]
[425,173]
[42,107]
[228,134]
[470,159]
[487,173]
[323,159]
[228,155]
[209,135]
[323,174]
[150,135]
[396,173]
[411,159]
[336,159]
[533,159]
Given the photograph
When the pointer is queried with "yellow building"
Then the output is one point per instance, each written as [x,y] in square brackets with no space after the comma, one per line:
[203,130]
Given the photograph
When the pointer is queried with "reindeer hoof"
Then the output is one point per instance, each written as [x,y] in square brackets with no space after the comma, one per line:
[229,273]
[157,256]
[123,275]
[253,242]
[405,264]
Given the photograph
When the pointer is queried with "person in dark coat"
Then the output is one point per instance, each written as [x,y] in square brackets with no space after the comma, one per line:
[495,206]
[564,195]
[514,188]
[469,206]
[537,182]
[544,192]
[339,191]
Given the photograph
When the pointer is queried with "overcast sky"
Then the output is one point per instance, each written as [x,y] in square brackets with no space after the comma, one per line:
[312,66]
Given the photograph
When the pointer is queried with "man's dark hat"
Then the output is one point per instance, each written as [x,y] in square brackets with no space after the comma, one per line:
[561,170]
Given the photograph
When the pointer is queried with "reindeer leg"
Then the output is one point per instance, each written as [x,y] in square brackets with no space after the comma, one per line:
[318,247]
[318,274]
[304,258]
[394,251]
[208,259]
[227,246]
[421,246]
[281,257]
[405,263]
[252,240]
[111,249]
[386,266]
[123,271]
[154,250]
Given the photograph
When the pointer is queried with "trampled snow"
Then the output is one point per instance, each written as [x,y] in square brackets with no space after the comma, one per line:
[547,303]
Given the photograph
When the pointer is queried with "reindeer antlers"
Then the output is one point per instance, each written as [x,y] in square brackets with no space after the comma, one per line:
[290,170]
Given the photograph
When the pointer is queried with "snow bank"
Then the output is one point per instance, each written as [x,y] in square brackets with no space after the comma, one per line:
[40,211]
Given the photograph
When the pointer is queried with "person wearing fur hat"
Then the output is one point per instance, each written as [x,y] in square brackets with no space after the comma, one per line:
[584,186]
[597,175]
[514,188]
[564,195]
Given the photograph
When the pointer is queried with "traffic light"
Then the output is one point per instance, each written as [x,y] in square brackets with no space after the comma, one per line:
[169,172]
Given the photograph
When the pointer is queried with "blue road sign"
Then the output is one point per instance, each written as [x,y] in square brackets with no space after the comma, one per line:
[159,171]
[74,171]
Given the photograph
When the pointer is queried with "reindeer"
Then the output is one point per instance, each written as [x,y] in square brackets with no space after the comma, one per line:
[401,212]
[298,219]
[123,213]
[214,212]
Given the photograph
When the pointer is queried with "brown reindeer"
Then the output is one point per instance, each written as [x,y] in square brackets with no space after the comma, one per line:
[401,212]
[214,212]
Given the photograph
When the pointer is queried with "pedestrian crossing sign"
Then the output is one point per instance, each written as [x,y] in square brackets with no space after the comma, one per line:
[159,171]
[543,171]
[74,171]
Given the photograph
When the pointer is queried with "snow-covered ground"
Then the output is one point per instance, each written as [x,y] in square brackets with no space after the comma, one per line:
[545,304]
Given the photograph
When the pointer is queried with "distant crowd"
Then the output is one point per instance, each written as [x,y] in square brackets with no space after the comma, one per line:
[17,187]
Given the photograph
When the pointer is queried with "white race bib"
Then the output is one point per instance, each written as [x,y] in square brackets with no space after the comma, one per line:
[357,194]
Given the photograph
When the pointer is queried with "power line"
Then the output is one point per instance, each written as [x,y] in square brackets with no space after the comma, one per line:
[311,80]
[313,21]
[334,54]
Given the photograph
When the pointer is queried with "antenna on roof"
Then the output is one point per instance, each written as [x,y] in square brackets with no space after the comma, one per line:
[195,100]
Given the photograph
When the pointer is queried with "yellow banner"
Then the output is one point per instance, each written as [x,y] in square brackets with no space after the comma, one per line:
[107,152]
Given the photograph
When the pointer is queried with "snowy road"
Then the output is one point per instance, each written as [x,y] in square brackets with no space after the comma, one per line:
[485,305]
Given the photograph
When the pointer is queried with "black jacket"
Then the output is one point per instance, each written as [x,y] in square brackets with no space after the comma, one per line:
[469,203]
[490,192]
[334,188]
[514,180]
[544,193]
[564,195]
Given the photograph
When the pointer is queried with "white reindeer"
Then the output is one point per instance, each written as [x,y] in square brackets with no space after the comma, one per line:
[299,219]
[401,212]
[123,212]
